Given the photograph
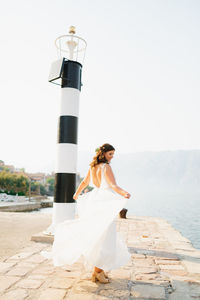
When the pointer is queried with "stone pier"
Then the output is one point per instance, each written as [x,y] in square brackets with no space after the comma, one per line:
[164,266]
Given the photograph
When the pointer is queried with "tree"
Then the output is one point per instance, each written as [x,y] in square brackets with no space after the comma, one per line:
[50,183]
[13,183]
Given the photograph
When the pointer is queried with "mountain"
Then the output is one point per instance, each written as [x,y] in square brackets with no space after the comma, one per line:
[153,172]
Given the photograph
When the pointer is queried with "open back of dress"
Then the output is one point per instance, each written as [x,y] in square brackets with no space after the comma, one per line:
[104,184]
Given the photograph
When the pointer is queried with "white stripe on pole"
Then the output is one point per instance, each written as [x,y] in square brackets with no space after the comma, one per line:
[69,102]
[66,160]
[63,211]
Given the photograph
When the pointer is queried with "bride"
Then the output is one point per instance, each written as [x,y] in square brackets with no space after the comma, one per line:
[93,235]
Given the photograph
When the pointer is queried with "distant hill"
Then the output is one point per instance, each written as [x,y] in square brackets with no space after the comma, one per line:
[163,171]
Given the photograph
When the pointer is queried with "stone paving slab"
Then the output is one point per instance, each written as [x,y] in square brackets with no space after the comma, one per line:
[41,237]
[163,266]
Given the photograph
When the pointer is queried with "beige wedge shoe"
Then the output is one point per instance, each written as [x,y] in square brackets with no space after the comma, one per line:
[105,274]
[100,276]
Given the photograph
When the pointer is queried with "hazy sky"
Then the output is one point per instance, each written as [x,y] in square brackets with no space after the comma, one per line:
[140,79]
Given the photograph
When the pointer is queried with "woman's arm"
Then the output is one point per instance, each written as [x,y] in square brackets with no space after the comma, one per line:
[111,181]
[84,183]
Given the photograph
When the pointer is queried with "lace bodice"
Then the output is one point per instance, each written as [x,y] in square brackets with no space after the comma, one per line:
[104,183]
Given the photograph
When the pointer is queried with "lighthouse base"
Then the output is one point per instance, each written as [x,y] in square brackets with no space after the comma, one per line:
[61,212]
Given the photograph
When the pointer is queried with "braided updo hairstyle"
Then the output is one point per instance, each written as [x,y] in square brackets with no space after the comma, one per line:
[100,157]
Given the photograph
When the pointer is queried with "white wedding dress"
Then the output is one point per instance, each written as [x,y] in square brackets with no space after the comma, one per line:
[92,236]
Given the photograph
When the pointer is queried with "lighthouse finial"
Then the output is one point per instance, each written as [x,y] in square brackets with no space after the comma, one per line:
[72,30]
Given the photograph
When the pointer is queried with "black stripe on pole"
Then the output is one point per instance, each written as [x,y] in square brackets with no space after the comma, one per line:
[68,129]
[71,76]
[65,186]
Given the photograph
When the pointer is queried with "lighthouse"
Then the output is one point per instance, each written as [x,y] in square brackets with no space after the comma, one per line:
[66,71]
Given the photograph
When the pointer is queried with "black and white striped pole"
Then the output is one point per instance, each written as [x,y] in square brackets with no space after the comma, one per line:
[68,70]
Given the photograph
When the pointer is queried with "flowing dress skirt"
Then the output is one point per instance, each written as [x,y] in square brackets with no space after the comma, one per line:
[93,235]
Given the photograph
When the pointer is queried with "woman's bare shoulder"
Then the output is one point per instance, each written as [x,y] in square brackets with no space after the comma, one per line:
[107,167]
[100,164]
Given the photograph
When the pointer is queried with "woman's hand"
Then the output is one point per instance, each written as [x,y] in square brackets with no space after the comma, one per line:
[127,195]
[75,196]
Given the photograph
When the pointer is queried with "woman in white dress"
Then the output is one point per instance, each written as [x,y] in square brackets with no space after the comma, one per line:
[93,235]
